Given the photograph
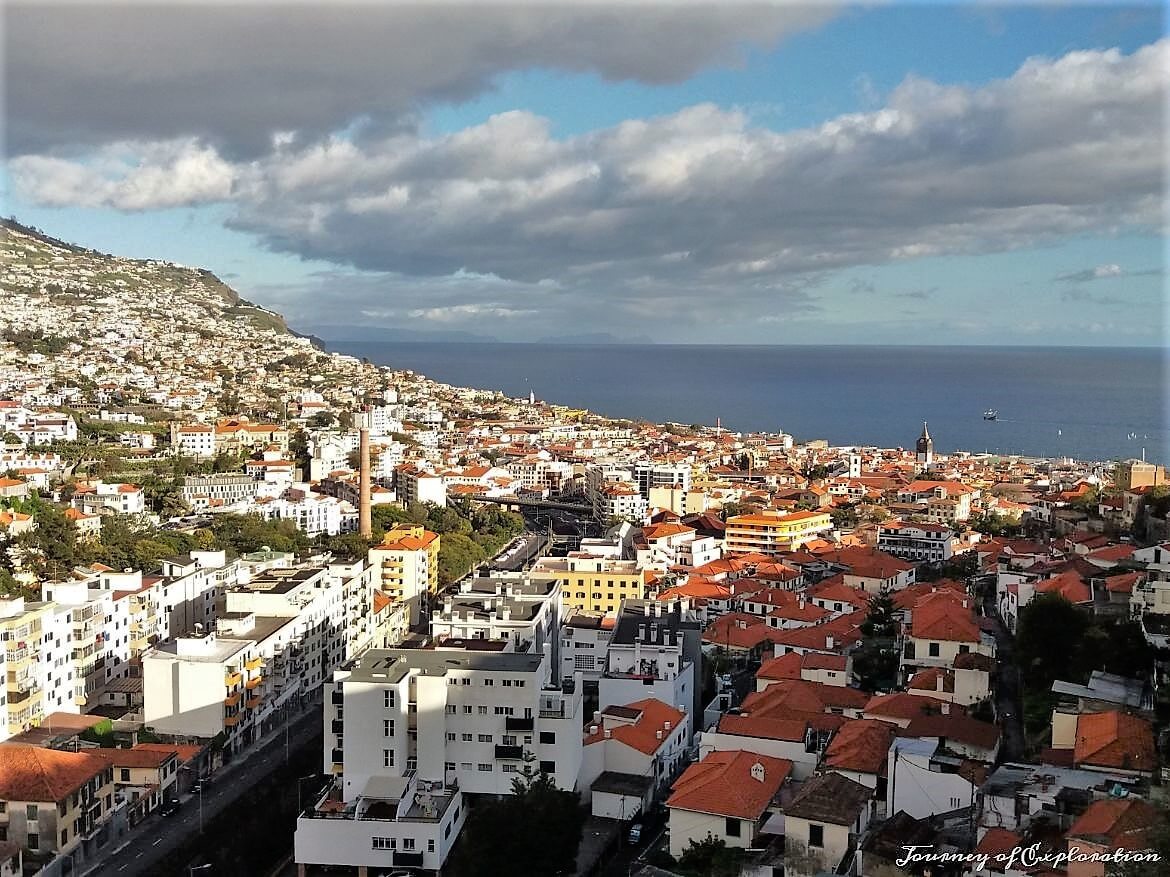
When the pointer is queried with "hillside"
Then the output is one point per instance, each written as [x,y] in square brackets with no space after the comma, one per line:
[160,333]
[62,274]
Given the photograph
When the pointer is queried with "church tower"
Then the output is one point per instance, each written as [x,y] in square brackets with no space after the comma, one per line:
[924,449]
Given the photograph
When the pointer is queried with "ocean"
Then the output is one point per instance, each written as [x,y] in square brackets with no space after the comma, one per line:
[1085,403]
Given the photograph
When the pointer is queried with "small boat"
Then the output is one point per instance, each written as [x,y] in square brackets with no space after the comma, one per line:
[990,414]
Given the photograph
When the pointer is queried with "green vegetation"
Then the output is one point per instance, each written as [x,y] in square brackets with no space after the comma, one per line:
[1058,640]
[36,341]
[995,525]
[492,846]
[876,661]
[710,857]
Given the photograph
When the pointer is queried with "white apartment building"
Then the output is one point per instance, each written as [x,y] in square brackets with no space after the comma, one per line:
[194,440]
[99,633]
[278,638]
[584,641]
[203,492]
[655,651]
[917,542]
[452,716]
[418,485]
[512,607]
[98,496]
[313,513]
[648,475]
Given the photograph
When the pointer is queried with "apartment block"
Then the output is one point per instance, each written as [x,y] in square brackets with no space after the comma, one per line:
[773,532]
[465,718]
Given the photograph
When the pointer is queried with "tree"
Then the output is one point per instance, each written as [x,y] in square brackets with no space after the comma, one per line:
[228,402]
[324,419]
[553,820]
[1048,638]
[710,857]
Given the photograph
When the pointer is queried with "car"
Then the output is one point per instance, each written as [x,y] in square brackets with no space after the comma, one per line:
[725,682]
[635,835]
[171,807]
[201,784]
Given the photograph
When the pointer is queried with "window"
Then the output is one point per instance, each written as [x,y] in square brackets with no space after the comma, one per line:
[548,767]
[483,768]
[387,758]
[384,843]
[33,842]
[30,812]
[520,683]
[507,683]
[467,710]
[387,727]
[466,680]
[485,738]
[408,843]
[489,682]
[508,768]
[64,836]
[467,738]
[483,711]
[452,709]
[816,836]
[732,828]
[956,803]
[431,845]
[548,737]
[448,765]
[388,699]
[451,736]
[933,650]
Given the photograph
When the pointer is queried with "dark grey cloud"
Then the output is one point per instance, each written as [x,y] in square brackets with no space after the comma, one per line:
[234,75]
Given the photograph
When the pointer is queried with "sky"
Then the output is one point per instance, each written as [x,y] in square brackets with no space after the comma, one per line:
[976,173]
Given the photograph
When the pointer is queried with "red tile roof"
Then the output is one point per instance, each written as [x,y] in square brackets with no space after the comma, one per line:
[36,775]
[1117,823]
[1114,739]
[737,784]
[642,734]
[944,616]
[861,745]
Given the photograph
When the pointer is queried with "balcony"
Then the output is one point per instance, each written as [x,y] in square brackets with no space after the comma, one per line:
[231,721]
[516,723]
[254,664]
[232,701]
[337,726]
[337,756]
[232,679]
[254,682]
[511,753]
[337,698]
[253,702]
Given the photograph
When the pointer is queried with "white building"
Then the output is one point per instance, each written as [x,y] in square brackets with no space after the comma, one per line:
[927,542]
[501,606]
[452,716]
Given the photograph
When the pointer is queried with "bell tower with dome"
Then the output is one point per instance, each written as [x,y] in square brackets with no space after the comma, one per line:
[924,449]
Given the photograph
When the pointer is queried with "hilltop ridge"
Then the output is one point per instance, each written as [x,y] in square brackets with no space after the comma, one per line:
[150,330]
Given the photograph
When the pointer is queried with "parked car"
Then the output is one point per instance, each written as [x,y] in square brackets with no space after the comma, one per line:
[171,807]
[635,835]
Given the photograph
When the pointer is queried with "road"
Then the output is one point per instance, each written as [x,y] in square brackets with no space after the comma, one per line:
[1009,705]
[157,837]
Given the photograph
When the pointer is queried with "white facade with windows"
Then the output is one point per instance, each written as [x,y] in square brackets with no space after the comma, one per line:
[452,716]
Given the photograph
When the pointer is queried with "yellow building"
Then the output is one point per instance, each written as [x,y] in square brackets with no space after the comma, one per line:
[21,632]
[52,799]
[773,532]
[595,584]
[1139,473]
[408,562]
